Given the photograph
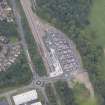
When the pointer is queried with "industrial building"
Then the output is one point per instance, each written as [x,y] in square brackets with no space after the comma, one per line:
[27,98]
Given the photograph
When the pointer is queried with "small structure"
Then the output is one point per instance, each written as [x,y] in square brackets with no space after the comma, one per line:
[24,98]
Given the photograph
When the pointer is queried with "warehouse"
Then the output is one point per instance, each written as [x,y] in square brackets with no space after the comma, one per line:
[25,98]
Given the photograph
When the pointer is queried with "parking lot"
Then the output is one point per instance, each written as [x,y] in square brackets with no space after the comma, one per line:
[61,55]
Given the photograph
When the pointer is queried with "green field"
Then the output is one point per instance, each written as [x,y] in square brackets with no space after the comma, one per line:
[82,95]
[97,19]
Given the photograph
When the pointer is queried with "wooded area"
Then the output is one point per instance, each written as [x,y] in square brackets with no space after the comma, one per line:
[18,74]
[9,30]
[50,94]
[71,16]
[65,93]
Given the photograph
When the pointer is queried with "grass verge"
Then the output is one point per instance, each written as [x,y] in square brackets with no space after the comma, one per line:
[82,95]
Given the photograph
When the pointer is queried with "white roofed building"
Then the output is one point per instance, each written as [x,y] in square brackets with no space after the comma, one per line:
[26,97]
[56,64]
[37,103]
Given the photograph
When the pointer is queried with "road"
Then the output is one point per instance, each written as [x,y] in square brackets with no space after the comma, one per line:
[22,35]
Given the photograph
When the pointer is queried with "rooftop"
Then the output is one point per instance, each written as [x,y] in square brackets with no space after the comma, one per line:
[25,98]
